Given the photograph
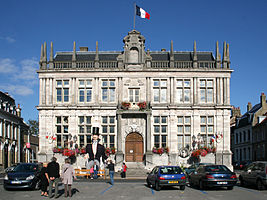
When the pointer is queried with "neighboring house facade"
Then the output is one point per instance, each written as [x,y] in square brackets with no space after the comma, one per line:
[260,139]
[12,128]
[174,97]
[244,134]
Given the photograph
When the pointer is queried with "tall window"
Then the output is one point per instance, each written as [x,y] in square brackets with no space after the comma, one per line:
[108,90]
[134,95]
[108,131]
[184,132]
[85,91]
[183,91]
[206,91]
[85,127]
[207,129]
[160,131]
[62,131]
[62,88]
[160,90]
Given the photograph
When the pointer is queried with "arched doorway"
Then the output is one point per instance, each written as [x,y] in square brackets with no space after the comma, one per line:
[134,148]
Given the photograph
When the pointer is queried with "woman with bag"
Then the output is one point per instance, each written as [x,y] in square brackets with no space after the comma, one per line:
[123,170]
[44,180]
[67,177]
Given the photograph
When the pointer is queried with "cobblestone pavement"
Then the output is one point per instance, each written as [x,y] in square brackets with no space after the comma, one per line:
[137,190]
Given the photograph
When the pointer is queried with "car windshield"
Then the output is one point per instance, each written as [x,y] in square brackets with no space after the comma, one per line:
[170,170]
[217,168]
[25,168]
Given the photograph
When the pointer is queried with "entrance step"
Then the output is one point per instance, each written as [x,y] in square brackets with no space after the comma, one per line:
[136,169]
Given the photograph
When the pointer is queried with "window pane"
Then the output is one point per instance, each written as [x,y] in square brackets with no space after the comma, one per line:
[112,95]
[202,83]
[163,129]
[156,95]
[66,83]
[203,129]
[81,129]
[59,83]
[156,129]
[104,83]
[58,120]
[88,95]
[88,120]
[180,141]
[187,83]
[209,83]
[104,129]
[104,95]
[59,95]
[187,120]
[156,141]
[81,138]
[81,119]
[58,129]
[88,129]
[156,120]
[112,83]
[111,129]
[180,120]
[163,140]
[81,95]
[187,95]
[180,129]
[179,95]
[112,139]
[66,128]
[163,83]
[88,139]
[210,129]
[89,83]
[105,139]
[163,95]
[203,120]
[66,95]
[104,120]
[156,83]
[65,120]
[179,83]
[210,95]
[59,144]
[111,120]
[164,120]
[202,95]
[81,82]
[187,129]
[210,120]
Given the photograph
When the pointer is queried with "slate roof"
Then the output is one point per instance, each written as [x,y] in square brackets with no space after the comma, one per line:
[247,118]
[112,56]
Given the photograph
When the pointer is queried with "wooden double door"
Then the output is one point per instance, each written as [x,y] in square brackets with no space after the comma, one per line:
[134,148]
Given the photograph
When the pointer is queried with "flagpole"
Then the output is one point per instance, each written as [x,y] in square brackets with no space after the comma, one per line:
[134,15]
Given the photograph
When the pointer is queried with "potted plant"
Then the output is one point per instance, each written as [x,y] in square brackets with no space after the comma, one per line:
[142,105]
[125,105]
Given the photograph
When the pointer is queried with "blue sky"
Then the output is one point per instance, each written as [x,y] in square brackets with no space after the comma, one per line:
[25,25]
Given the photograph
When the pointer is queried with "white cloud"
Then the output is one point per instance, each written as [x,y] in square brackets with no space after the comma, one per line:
[17,89]
[28,70]
[7,66]
[8,39]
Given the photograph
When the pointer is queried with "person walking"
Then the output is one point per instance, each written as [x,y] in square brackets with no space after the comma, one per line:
[44,180]
[111,172]
[96,168]
[67,177]
[53,174]
[124,169]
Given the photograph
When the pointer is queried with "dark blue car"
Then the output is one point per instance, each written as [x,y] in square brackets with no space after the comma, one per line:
[24,175]
[166,176]
[213,176]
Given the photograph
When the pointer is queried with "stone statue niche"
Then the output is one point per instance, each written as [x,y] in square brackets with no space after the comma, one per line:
[133,56]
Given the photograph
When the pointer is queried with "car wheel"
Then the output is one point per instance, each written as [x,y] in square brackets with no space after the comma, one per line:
[182,187]
[201,186]
[157,187]
[148,183]
[260,186]
[230,187]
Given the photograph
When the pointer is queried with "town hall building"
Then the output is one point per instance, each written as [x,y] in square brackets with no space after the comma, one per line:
[154,107]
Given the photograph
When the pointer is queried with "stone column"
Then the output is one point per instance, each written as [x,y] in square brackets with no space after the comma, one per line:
[51,92]
[97,92]
[218,91]
[172,90]
[43,91]
[148,141]
[119,155]
[228,91]
[40,90]
[19,143]
[195,91]
[224,91]
[221,90]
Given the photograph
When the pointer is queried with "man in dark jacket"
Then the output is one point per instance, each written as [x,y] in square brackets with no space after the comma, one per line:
[95,150]
[111,172]
[53,174]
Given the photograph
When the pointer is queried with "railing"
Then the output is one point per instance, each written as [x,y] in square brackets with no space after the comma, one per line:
[160,64]
[206,64]
[62,65]
[108,64]
[85,65]
[183,65]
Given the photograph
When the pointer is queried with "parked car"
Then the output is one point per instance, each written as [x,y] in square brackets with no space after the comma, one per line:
[213,176]
[11,168]
[166,176]
[255,174]
[24,175]
[193,167]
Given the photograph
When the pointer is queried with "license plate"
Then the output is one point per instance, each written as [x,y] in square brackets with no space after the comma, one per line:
[222,183]
[173,181]
[16,182]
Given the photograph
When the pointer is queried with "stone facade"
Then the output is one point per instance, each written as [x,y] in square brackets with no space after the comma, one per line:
[182,94]
[12,129]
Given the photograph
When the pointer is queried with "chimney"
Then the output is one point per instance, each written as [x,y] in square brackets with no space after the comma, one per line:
[263,101]
[249,106]
[236,112]
[83,48]
[18,111]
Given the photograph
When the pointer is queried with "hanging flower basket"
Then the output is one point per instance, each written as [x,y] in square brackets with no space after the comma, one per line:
[142,105]
[203,151]
[110,151]
[125,105]
[160,150]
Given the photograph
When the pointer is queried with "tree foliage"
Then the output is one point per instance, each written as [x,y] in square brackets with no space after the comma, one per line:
[34,127]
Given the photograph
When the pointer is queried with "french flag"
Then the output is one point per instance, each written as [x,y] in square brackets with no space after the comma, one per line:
[142,13]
